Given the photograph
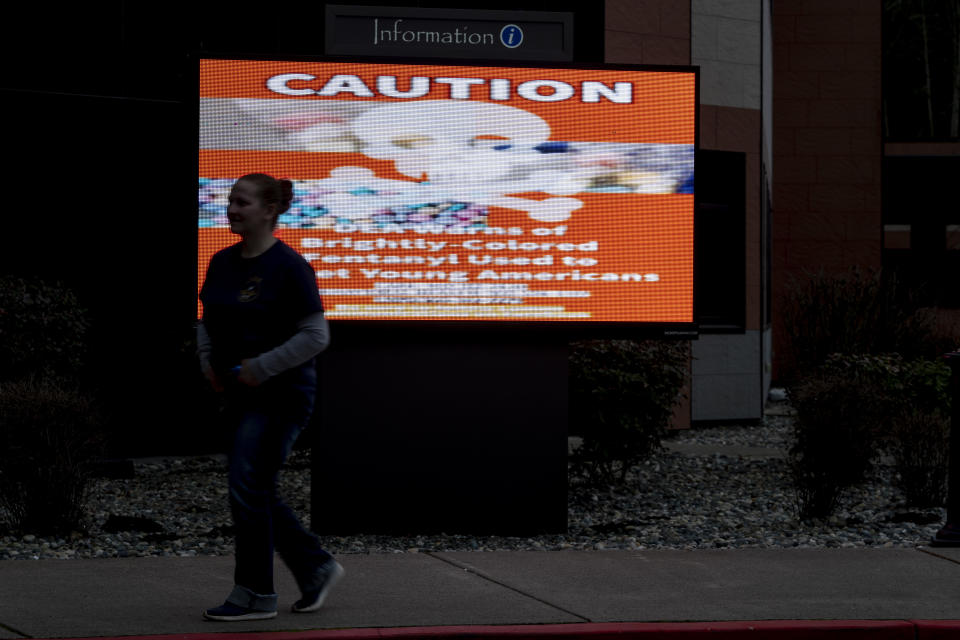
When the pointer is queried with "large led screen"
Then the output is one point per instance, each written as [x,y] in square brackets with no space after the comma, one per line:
[439,192]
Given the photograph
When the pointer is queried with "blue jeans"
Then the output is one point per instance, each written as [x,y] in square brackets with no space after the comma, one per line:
[264,423]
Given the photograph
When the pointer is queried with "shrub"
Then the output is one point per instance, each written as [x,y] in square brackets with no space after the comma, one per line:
[924,384]
[921,454]
[842,407]
[856,312]
[42,329]
[918,435]
[48,434]
[622,395]
[851,408]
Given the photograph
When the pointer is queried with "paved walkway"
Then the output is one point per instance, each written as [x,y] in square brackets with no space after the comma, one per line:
[565,593]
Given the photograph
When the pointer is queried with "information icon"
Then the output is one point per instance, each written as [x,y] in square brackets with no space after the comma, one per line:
[511,36]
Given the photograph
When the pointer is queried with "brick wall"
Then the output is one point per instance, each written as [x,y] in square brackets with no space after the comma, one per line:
[827,139]
[647,32]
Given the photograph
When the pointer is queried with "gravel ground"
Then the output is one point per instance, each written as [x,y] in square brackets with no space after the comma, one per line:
[696,494]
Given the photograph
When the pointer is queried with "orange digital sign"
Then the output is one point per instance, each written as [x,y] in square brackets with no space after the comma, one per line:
[439,192]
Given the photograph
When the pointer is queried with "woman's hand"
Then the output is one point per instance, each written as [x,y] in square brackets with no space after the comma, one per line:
[245,375]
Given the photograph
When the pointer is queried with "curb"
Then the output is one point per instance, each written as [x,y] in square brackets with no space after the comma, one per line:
[756,630]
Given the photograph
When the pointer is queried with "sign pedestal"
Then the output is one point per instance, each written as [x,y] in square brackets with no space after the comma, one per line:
[451,434]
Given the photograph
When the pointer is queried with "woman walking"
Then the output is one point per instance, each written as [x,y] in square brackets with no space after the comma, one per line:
[262,327]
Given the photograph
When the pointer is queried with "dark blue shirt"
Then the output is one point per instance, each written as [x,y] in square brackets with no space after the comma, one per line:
[251,305]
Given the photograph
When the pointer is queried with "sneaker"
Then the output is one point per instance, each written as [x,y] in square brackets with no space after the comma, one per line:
[228,612]
[330,572]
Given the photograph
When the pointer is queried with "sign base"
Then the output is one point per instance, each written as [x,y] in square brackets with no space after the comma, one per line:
[441,435]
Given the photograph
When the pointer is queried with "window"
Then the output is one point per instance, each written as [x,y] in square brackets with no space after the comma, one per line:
[921,70]
[920,218]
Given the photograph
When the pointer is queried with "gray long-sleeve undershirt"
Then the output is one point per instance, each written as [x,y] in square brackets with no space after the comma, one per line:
[312,337]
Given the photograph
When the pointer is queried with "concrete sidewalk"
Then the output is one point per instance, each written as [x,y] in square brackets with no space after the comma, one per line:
[154,596]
